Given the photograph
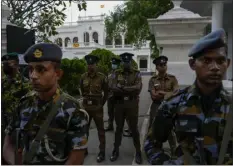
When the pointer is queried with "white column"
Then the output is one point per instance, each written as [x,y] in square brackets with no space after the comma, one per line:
[63,44]
[149,63]
[217,15]
[113,43]
[123,41]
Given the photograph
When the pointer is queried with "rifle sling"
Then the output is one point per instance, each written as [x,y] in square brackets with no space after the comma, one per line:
[28,156]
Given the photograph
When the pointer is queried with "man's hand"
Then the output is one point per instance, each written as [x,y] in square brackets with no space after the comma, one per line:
[157,95]
[160,92]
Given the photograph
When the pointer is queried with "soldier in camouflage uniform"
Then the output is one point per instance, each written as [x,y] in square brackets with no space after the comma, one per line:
[115,65]
[92,85]
[198,112]
[14,86]
[161,86]
[126,87]
[65,140]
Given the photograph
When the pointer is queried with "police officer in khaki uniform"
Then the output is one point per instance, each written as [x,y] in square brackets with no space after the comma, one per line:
[92,85]
[161,86]
[126,87]
[115,65]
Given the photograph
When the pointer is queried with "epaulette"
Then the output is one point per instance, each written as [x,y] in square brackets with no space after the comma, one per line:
[178,92]
[170,75]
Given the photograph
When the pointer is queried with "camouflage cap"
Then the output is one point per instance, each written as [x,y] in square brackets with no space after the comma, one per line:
[43,52]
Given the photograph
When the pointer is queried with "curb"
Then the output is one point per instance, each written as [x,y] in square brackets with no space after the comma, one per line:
[143,133]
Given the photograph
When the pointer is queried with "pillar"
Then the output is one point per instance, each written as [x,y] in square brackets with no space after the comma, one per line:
[123,41]
[217,15]
[113,43]
[149,63]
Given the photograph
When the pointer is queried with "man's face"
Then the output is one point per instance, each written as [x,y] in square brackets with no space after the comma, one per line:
[91,67]
[161,67]
[211,68]
[9,66]
[127,65]
[43,75]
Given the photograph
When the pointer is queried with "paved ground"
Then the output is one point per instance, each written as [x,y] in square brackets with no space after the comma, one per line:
[127,149]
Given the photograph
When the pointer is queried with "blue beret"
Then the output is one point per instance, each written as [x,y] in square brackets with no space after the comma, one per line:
[91,59]
[10,56]
[126,57]
[160,60]
[116,61]
[43,52]
[213,40]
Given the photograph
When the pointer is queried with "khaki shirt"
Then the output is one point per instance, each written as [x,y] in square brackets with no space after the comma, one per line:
[93,86]
[130,81]
[168,83]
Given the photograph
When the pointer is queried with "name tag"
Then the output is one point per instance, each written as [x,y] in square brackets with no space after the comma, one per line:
[89,102]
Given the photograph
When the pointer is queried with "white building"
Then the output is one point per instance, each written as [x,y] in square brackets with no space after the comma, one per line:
[89,33]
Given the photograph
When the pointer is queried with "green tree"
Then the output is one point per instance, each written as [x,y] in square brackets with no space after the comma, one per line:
[105,56]
[131,18]
[43,16]
[73,69]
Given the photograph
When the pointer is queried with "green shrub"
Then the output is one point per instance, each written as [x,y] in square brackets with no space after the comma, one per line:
[73,69]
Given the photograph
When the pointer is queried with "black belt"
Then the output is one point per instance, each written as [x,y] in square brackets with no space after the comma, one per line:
[125,98]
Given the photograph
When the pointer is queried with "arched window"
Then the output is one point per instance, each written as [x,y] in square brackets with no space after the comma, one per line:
[67,41]
[118,40]
[95,37]
[86,37]
[75,40]
[58,41]
[108,41]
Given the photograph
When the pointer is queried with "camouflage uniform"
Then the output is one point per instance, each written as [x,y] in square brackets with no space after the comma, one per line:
[68,130]
[12,90]
[185,111]
[92,86]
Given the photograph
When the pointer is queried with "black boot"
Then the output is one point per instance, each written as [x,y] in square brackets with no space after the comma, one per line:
[100,157]
[109,128]
[115,155]
[138,158]
[86,153]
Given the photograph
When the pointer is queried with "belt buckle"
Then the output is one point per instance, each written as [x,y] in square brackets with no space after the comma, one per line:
[126,98]
[89,102]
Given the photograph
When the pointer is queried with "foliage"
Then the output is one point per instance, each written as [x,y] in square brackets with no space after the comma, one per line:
[42,16]
[105,56]
[131,19]
[104,65]
[73,69]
